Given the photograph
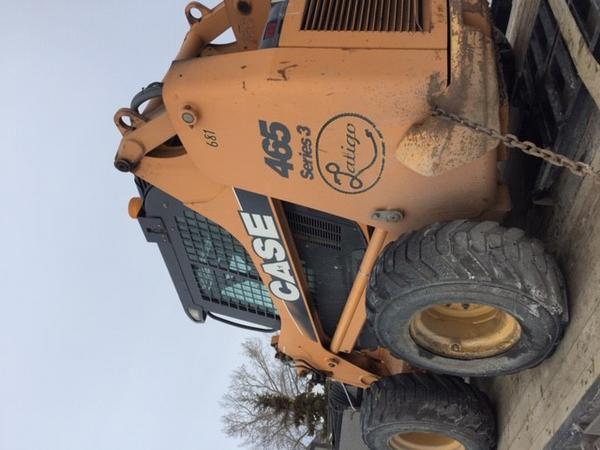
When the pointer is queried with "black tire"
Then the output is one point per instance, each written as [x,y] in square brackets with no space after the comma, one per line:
[341,397]
[427,403]
[479,263]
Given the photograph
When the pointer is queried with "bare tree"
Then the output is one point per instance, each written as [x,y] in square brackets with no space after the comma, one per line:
[268,405]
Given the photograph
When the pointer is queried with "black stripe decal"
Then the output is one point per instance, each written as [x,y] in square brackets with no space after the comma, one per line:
[258,218]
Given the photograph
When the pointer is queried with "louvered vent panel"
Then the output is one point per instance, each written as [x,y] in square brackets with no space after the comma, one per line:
[363,15]
[315,230]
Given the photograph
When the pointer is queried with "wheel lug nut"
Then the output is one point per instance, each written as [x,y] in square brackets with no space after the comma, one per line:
[465,306]
[455,347]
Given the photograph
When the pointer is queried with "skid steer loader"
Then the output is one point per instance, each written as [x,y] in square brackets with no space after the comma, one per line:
[297,182]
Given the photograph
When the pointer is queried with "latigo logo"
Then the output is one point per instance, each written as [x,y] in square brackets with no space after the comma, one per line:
[350,153]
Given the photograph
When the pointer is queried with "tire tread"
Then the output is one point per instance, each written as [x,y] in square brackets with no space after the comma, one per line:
[433,398]
[463,252]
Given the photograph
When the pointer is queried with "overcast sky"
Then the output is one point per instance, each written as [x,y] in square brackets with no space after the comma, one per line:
[95,349]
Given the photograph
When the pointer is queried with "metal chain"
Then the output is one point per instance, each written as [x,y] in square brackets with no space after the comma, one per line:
[510,140]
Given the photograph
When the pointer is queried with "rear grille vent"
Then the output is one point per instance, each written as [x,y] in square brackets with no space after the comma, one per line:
[363,15]
[315,230]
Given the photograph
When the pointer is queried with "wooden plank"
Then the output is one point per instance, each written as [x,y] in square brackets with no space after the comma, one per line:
[533,405]
[587,66]
[520,26]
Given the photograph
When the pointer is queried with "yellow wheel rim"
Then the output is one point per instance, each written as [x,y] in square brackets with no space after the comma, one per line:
[424,441]
[465,330]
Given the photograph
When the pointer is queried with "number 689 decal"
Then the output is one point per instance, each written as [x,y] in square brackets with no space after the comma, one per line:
[276,144]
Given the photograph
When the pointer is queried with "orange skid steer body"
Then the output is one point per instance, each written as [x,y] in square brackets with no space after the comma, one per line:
[326,106]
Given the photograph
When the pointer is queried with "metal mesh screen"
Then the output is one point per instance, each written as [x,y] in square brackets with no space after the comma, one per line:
[222,268]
